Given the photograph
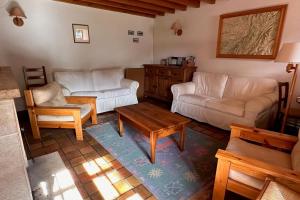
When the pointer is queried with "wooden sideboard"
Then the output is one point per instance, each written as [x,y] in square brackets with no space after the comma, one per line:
[160,78]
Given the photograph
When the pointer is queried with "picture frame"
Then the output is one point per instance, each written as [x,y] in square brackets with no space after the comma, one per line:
[140,33]
[130,32]
[81,33]
[136,40]
[252,34]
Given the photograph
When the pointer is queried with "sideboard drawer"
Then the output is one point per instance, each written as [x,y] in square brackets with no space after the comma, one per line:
[177,74]
[150,71]
[164,72]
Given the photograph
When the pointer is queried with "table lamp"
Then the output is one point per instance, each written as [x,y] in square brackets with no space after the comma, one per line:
[289,53]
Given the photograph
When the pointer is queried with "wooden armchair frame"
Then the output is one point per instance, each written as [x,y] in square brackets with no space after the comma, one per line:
[34,111]
[252,167]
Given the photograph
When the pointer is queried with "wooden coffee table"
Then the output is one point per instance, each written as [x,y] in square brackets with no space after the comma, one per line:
[154,122]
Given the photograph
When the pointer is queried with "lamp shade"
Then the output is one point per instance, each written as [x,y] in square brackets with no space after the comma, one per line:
[17,12]
[289,53]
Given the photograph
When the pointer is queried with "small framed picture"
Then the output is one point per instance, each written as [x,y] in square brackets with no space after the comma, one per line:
[130,32]
[81,33]
[140,33]
[136,40]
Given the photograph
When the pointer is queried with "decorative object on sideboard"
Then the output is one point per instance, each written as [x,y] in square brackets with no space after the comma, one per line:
[18,14]
[177,28]
[81,33]
[178,61]
[190,61]
[289,53]
[252,34]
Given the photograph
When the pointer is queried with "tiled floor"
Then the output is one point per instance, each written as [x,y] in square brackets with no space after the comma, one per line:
[95,172]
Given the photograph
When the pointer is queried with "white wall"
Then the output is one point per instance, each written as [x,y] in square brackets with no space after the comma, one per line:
[200,28]
[46,38]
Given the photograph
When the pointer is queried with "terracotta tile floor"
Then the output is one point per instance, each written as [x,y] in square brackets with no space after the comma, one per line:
[92,166]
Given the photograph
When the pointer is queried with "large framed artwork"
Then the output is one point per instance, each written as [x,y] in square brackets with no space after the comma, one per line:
[252,33]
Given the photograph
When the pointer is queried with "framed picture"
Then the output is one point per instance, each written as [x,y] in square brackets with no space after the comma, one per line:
[81,33]
[251,34]
[130,32]
[140,33]
[136,40]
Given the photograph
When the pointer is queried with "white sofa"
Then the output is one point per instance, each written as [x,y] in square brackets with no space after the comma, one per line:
[108,85]
[221,99]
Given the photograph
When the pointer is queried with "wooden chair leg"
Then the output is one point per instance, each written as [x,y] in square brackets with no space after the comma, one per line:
[221,179]
[34,125]
[94,114]
[78,126]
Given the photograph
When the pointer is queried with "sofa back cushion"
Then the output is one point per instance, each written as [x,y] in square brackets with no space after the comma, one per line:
[49,95]
[210,84]
[75,81]
[105,79]
[245,88]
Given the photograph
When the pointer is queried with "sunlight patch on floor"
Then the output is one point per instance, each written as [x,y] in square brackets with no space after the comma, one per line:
[91,168]
[105,188]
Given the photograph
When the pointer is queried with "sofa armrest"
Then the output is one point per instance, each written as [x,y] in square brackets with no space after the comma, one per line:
[127,83]
[183,88]
[259,104]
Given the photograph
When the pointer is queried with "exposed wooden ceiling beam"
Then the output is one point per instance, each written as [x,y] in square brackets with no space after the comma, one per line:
[165,3]
[192,3]
[124,6]
[209,1]
[145,5]
[93,5]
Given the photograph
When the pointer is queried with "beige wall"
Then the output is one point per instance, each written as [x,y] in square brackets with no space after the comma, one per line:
[200,27]
[46,38]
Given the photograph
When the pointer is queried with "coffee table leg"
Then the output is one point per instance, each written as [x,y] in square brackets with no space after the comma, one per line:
[153,139]
[182,138]
[120,125]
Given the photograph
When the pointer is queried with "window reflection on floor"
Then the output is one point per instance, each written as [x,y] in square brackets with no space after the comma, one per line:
[59,187]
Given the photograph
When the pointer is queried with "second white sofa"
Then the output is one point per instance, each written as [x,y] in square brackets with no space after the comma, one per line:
[220,99]
[108,85]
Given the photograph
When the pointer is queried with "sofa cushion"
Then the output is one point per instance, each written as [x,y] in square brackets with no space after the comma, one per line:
[230,106]
[210,84]
[105,94]
[245,88]
[296,155]
[194,99]
[105,79]
[49,95]
[84,110]
[75,81]
[257,152]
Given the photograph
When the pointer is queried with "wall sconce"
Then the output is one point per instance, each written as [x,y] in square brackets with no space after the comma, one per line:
[18,15]
[177,28]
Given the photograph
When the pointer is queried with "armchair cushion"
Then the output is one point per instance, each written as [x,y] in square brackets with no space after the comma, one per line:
[49,95]
[296,155]
[257,152]
[230,106]
[210,84]
[84,110]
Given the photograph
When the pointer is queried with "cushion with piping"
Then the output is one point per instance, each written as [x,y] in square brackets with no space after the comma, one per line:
[49,95]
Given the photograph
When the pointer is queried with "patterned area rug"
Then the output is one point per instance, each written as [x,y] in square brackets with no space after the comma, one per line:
[175,175]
